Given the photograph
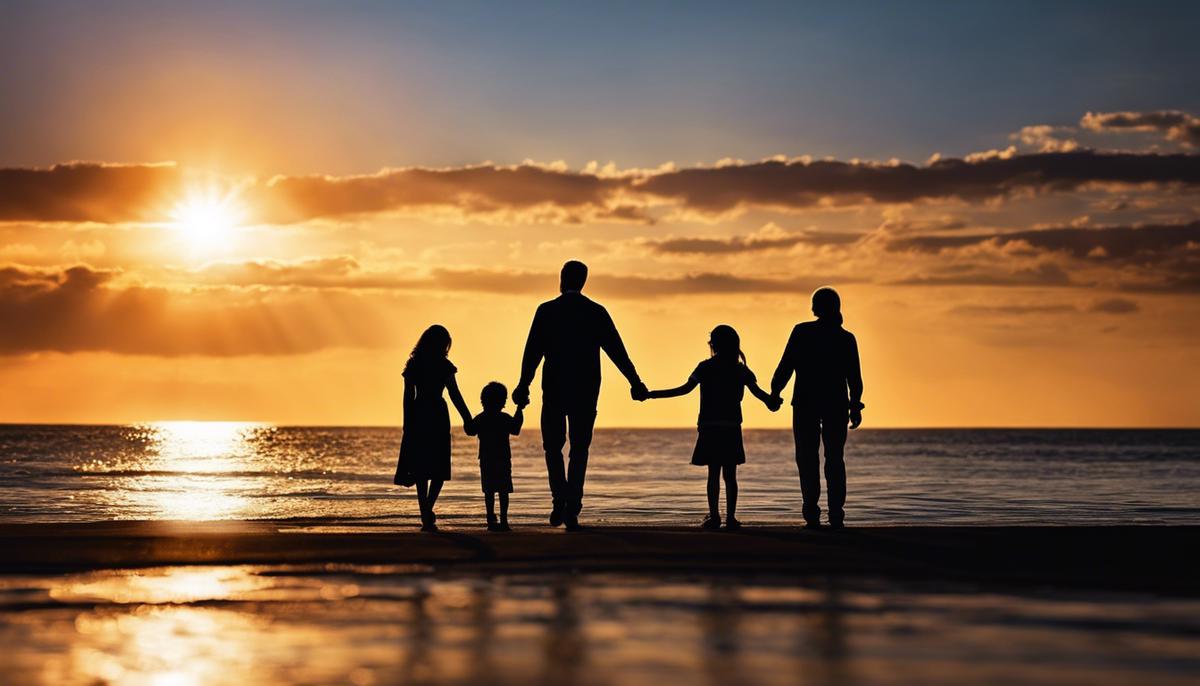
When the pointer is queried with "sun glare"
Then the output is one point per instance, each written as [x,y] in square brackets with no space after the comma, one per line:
[206,221]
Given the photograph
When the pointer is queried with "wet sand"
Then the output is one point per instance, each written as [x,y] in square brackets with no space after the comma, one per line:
[1149,559]
[372,603]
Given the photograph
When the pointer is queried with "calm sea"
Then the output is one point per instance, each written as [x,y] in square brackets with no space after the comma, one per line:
[202,470]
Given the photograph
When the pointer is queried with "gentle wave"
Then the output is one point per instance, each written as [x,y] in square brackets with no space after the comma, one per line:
[949,476]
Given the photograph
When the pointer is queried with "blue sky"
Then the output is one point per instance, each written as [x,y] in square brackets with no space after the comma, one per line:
[373,84]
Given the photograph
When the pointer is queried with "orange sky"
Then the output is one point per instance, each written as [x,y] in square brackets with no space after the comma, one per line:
[262,233]
[966,316]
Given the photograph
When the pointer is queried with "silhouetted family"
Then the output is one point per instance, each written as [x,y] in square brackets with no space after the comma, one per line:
[568,334]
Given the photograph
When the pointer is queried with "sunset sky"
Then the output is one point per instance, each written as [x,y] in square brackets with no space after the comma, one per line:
[250,211]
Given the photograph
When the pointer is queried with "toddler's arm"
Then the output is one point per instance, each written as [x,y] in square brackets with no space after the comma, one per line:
[518,420]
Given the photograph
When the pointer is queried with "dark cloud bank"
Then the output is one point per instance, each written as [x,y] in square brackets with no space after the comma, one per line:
[112,193]
[80,309]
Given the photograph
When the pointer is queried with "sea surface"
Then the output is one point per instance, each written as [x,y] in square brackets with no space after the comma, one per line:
[213,470]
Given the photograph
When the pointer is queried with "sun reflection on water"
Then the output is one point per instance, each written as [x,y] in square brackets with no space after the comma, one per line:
[196,470]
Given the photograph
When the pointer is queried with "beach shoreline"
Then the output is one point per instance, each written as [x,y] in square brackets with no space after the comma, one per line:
[1145,559]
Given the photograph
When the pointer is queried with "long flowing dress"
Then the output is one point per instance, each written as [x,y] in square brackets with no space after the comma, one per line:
[425,446]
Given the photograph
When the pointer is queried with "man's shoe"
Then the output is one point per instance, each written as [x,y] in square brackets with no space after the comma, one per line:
[556,515]
[573,524]
[837,524]
[812,525]
[493,526]
[711,522]
[732,524]
[503,526]
[429,527]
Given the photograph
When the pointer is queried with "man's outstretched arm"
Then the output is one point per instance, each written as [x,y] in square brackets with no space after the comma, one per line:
[614,347]
[535,349]
[787,363]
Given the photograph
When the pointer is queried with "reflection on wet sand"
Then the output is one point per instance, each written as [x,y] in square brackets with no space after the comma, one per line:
[418,664]
[719,620]
[825,631]
[481,660]
[565,645]
[343,624]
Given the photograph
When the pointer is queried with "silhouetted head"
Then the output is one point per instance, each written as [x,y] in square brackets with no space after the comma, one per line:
[433,344]
[493,396]
[725,343]
[573,276]
[827,305]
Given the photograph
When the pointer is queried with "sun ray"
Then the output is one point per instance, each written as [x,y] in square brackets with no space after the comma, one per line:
[207,219]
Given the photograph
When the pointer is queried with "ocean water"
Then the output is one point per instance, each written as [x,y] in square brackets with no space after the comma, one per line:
[207,470]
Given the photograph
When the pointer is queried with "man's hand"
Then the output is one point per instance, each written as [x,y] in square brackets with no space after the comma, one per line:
[855,418]
[520,396]
[469,427]
[775,403]
[639,392]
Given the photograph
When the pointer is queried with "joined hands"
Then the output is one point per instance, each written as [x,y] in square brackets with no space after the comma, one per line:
[520,396]
[639,392]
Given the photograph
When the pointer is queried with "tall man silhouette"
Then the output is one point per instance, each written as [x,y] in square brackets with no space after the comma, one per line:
[569,332]
[827,395]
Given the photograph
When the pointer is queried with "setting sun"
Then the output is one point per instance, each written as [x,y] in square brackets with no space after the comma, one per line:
[206,221]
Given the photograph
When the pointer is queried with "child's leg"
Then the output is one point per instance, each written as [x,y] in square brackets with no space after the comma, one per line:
[714,490]
[503,508]
[491,507]
[731,490]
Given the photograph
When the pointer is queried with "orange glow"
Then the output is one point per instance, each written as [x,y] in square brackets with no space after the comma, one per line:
[207,220]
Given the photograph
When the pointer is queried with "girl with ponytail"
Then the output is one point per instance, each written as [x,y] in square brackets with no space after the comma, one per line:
[722,379]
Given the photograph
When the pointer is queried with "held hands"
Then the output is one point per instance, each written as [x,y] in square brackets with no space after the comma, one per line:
[469,427]
[520,396]
[639,392]
[774,403]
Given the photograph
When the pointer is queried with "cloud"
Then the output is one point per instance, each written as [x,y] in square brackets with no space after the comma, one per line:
[1114,306]
[1046,138]
[769,237]
[1044,275]
[476,190]
[1106,243]
[992,310]
[1157,258]
[1173,125]
[88,192]
[1107,306]
[338,271]
[83,309]
[798,183]
[535,193]
[344,272]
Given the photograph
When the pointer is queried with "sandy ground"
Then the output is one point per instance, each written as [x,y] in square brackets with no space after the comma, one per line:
[1136,558]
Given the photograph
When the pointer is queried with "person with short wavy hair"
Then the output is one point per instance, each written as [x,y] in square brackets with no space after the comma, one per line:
[569,332]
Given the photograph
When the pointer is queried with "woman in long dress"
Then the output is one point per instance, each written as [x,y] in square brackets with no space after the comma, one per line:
[424,459]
